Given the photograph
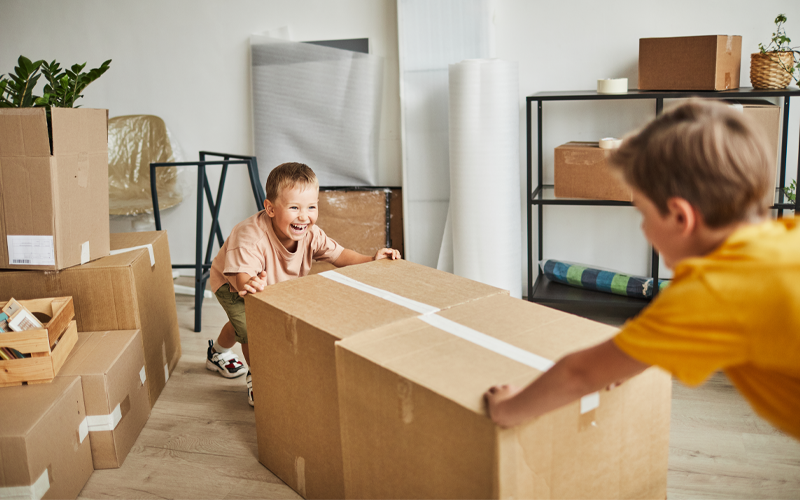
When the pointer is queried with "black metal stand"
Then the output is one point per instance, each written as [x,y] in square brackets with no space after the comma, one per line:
[202,265]
[541,290]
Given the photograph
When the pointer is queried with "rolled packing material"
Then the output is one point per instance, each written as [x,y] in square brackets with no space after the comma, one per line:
[610,143]
[612,86]
[484,172]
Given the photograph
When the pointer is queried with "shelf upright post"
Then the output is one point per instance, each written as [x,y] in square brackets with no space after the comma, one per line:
[540,206]
[785,136]
[529,208]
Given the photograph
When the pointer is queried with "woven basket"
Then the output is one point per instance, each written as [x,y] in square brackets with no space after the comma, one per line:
[766,71]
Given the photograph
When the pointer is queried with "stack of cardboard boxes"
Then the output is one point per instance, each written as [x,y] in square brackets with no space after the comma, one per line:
[55,242]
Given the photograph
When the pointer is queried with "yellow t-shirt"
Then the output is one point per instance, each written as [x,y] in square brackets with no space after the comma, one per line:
[736,309]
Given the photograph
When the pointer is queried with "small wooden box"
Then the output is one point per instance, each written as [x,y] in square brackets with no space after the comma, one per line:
[48,346]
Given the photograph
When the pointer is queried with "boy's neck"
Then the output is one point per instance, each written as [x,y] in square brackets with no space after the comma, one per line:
[709,239]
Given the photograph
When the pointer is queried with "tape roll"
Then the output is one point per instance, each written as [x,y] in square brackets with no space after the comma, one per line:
[610,143]
[612,86]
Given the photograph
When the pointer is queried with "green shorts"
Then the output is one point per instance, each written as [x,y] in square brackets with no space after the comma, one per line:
[234,308]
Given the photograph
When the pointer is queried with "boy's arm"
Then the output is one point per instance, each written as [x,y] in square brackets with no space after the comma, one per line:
[572,377]
[349,257]
[250,284]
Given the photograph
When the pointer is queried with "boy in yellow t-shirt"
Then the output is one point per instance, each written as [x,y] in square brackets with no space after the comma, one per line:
[700,176]
[277,244]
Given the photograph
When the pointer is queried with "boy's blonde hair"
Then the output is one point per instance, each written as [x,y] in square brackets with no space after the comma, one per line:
[288,175]
[704,152]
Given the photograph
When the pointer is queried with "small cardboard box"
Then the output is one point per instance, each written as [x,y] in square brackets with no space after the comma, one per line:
[111,367]
[414,423]
[767,116]
[53,207]
[711,62]
[44,452]
[131,290]
[48,346]
[292,328]
[363,219]
[581,171]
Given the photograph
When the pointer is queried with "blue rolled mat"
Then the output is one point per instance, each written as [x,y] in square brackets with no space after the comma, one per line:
[582,276]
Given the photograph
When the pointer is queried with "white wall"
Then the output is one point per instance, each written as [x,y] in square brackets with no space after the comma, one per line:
[188,62]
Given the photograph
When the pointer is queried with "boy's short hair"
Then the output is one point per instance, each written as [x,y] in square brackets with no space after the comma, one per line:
[288,175]
[702,151]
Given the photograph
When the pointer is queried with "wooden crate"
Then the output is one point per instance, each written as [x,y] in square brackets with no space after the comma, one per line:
[48,346]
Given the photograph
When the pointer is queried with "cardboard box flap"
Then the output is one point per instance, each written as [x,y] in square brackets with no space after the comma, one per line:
[462,370]
[30,410]
[80,130]
[23,132]
[126,259]
[135,239]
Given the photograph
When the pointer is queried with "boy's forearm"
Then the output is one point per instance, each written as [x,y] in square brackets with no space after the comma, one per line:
[349,257]
[241,280]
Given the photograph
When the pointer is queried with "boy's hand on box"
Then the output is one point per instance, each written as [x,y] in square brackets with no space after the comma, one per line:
[387,253]
[494,397]
[255,284]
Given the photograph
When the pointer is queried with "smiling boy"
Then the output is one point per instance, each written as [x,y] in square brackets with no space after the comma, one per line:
[277,244]
[699,174]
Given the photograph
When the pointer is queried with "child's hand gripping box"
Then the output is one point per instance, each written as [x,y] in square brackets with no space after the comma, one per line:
[414,423]
[44,349]
[292,328]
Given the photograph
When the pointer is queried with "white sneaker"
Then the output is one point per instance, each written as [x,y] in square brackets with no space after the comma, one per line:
[226,363]
[250,389]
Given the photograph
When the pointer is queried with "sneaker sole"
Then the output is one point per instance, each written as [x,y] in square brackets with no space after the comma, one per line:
[225,373]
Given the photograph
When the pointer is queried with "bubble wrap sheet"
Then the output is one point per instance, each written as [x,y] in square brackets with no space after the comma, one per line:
[317,105]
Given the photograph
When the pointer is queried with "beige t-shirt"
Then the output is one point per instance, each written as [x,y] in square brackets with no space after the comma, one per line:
[253,247]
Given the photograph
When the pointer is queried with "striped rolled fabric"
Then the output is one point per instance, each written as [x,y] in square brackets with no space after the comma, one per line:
[600,280]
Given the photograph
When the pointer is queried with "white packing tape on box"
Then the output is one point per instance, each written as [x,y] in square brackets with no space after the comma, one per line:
[33,492]
[85,253]
[588,402]
[143,375]
[149,248]
[83,429]
[166,373]
[391,297]
[612,86]
[104,422]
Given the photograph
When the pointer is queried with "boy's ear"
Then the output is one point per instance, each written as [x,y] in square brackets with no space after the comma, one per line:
[684,215]
[269,208]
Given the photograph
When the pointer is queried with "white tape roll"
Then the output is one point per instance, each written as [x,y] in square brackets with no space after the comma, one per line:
[610,143]
[612,86]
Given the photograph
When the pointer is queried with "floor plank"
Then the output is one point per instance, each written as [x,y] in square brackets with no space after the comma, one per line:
[200,440]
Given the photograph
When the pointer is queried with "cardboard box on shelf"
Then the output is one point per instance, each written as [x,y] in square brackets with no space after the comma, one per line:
[767,116]
[44,450]
[292,328]
[414,423]
[361,219]
[711,62]
[47,346]
[131,290]
[581,171]
[111,367]
[53,206]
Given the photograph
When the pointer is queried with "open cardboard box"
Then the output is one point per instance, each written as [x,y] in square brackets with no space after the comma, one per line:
[53,206]
[48,346]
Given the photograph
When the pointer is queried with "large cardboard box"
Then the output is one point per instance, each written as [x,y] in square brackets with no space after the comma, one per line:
[53,207]
[361,219]
[44,450]
[132,290]
[292,328]
[111,367]
[581,171]
[767,116]
[711,62]
[414,424]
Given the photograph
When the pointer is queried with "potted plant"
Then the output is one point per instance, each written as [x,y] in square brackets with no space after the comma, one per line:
[791,191]
[774,66]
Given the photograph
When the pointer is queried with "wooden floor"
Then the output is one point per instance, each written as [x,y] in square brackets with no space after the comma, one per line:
[200,441]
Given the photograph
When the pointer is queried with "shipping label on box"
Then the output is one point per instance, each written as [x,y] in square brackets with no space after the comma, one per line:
[117,401]
[43,438]
[127,291]
[581,171]
[711,62]
[53,205]
[292,328]
[414,424]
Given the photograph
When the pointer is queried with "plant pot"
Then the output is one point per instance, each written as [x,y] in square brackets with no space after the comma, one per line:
[767,71]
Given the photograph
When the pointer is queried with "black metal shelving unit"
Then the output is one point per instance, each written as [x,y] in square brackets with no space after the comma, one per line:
[542,290]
